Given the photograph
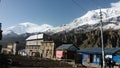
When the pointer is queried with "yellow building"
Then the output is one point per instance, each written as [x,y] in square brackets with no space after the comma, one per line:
[47,49]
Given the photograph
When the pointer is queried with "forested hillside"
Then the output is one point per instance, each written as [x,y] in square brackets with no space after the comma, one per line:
[90,39]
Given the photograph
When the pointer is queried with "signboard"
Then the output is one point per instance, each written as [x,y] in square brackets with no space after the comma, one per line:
[59,54]
[108,56]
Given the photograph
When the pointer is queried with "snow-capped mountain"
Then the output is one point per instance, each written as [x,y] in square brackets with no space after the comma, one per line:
[110,17]
[93,17]
[27,27]
[91,20]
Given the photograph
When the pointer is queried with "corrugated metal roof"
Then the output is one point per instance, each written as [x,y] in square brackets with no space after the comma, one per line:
[70,47]
[98,50]
[37,36]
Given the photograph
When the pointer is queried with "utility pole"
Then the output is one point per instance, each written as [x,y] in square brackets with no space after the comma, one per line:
[0,31]
[37,39]
[0,36]
[101,29]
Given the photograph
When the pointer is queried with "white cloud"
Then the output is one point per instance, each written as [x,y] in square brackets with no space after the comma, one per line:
[115,4]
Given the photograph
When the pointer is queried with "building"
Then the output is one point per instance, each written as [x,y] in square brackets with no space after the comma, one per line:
[33,44]
[66,51]
[10,49]
[6,51]
[94,55]
[47,49]
[22,52]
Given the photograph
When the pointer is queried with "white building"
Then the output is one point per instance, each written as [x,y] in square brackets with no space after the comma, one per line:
[33,44]
[10,49]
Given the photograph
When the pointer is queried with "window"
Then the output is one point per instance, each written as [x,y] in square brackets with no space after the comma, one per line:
[47,52]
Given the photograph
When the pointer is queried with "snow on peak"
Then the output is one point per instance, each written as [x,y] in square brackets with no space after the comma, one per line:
[28,24]
[28,27]
[93,17]
[46,26]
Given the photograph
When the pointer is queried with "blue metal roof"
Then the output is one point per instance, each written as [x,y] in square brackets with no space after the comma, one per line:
[98,50]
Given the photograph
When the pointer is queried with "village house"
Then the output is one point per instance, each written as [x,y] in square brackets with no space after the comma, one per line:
[33,44]
[6,51]
[10,49]
[47,49]
[66,51]
[94,55]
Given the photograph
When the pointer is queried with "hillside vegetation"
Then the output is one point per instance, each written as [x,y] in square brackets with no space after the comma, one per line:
[90,39]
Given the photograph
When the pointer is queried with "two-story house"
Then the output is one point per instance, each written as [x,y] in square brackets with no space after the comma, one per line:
[33,44]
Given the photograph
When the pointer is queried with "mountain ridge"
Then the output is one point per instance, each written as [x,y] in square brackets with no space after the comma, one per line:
[27,27]
[110,16]
[79,31]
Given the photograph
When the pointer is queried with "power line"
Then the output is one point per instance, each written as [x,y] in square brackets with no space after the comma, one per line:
[77,4]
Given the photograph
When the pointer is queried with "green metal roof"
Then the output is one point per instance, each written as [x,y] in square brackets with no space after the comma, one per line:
[69,47]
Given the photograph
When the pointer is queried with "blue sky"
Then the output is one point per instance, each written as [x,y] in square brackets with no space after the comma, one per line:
[52,12]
